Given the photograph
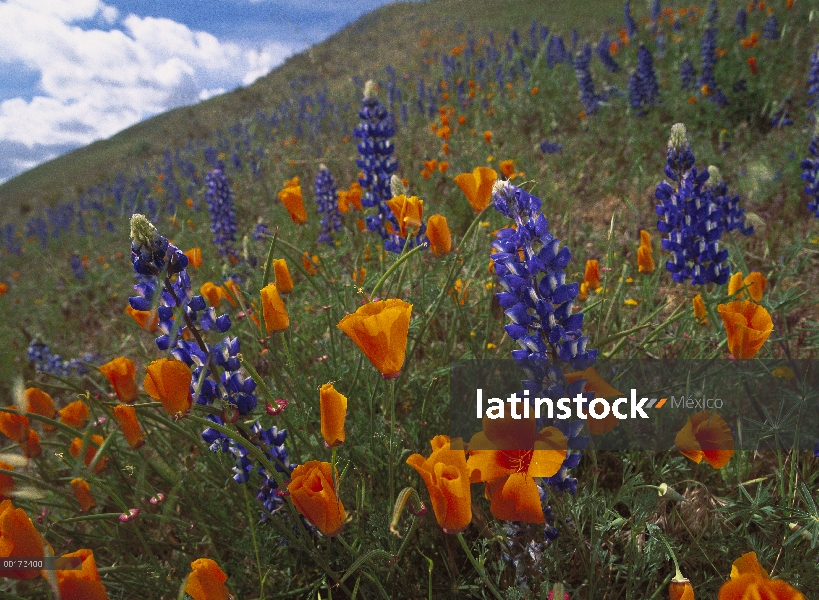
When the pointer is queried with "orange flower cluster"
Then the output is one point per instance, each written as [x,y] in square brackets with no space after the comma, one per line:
[477,186]
[292,200]
[751,41]
[350,196]
[310,264]
[645,254]
[591,276]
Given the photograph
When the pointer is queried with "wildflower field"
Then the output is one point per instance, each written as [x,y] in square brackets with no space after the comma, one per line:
[231,369]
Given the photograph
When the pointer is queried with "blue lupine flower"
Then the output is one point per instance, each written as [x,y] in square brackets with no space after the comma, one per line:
[584,80]
[260,232]
[222,211]
[713,13]
[816,450]
[77,267]
[327,204]
[548,147]
[810,173]
[813,79]
[377,162]
[690,218]
[556,52]
[603,53]
[687,74]
[731,216]
[771,29]
[642,83]
[631,26]
[781,116]
[741,22]
[656,10]
[150,251]
[45,361]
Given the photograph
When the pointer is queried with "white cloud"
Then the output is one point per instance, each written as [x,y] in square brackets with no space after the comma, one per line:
[94,83]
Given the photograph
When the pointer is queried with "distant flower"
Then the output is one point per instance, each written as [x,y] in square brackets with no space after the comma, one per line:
[810,173]
[380,331]
[327,204]
[127,418]
[548,147]
[121,373]
[687,74]
[740,22]
[446,476]
[645,254]
[206,581]
[631,25]
[440,238]
[591,275]
[222,211]
[584,81]
[477,186]
[752,287]
[706,436]
[771,29]
[83,583]
[292,200]
[273,310]
[283,280]
[77,267]
[813,79]
[312,490]
[707,81]
[169,380]
[194,257]
[699,309]
[604,54]
[747,326]
[750,580]
[643,88]
[333,408]
[753,66]
[94,444]
[82,491]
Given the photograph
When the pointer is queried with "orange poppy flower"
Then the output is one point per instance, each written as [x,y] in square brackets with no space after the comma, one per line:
[282,278]
[591,276]
[583,295]
[206,581]
[308,264]
[18,539]
[431,165]
[313,492]
[753,66]
[680,590]
[354,195]
[31,446]
[273,310]
[3,289]
[699,309]
[477,186]
[751,41]
[169,381]
[83,583]
[292,200]
[360,224]
[380,331]
[40,403]
[90,451]
[75,414]
[126,415]
[6,481]
[749,580]
[447,479]
[507,168]
[706,436]
[343,202]
[443,166]
[747,325]
[121,373]
[194,257]
[147,319]
[752,286]
[440,239]
[601,388]
[232,291]
[645,254]
[82,491]
[508,454]
[13,425]
[487,135]
[408,212]
[333,406]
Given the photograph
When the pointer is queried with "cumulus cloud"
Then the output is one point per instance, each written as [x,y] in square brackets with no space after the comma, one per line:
[95,82]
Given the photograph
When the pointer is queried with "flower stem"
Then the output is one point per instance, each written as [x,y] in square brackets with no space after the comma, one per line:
[479,568]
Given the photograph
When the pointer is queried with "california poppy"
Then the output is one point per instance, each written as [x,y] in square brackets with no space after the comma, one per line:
[313,492]
[40,403]
[380,331]
[747,325]
[447,479]
[753,66]
[6,481]
[477,186]
[206,581]
[194,257]
[699,309]
[750,580]
[591,277]
[333,406]
[169,381]
[94,443]
[343,201]
[645,254]
[408,212]
[440,239]
[680,590]
[508,454]
[147,319]
[487,135]
[273,309]
[82,491]
[31,445]
[354,195]
[83,583]
[121,373]
[75,414]
[127,418]
[282,278]
[706,436]
[18,539]
[14,425]
[212,293]
[753,286]
[601,389]
[232,291]
[507,168]
[292,200]
[308,264]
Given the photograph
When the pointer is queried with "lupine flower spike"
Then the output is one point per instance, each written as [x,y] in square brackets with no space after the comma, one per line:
[327,204]
[810,169]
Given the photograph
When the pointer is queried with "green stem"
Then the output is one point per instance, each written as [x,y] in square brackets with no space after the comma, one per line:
[479,568]
[250,520]
[393,267]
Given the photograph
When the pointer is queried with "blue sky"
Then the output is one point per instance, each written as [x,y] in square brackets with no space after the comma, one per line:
[75,71]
